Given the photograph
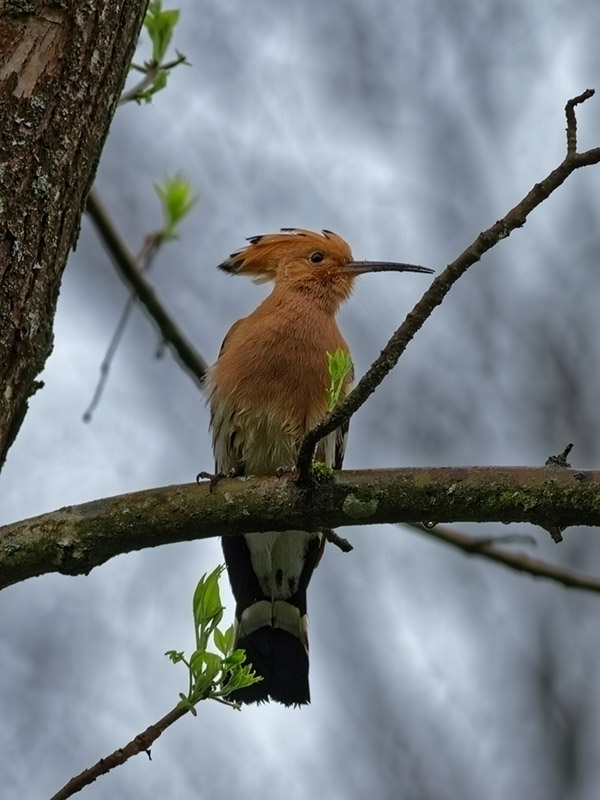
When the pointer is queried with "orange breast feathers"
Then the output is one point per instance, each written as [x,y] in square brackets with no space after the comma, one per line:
[269,385]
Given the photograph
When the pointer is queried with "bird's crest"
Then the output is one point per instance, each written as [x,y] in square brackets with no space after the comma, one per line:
[266,255]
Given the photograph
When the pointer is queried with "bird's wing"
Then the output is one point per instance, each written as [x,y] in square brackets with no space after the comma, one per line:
[341,437]
[227,445]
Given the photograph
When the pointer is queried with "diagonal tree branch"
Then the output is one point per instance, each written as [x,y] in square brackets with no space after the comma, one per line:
[76,539]
[127,267]
[487,548]
[440,287]
[141,743]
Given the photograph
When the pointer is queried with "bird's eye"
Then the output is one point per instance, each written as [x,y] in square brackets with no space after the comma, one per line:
[316,257]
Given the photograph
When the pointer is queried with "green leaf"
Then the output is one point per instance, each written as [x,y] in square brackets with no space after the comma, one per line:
[207,598]
[220,641]
[240,678]
[339,366]
[160,26]
[204,663]
[175,656]
[235,659]
[229,639]
[224,641]
[204,668]
[177,199]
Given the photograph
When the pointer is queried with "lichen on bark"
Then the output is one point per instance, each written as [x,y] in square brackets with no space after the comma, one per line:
[62,69]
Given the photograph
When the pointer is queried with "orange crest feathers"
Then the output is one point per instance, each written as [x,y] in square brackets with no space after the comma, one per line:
[269,254]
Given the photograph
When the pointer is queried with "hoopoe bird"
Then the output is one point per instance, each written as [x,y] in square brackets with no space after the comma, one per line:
[267,389]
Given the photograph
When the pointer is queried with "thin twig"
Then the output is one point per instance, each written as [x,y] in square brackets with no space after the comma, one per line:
[440,287]
[572,120]
[144,261]
[337,540]
[517,561]
[141,743]
[127,267]
[152,71]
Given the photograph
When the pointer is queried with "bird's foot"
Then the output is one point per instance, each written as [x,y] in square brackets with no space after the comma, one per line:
[214,478]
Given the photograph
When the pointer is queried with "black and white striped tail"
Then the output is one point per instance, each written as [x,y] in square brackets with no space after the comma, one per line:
[269,574]
[282,661]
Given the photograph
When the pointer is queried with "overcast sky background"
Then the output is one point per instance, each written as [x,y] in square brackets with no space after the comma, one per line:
[407,127]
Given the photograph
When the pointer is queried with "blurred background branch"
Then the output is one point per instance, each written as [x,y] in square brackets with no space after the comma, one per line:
[131,271]
[488,548]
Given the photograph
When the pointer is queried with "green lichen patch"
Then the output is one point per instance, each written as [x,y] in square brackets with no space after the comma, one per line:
[355,508]
[321,472]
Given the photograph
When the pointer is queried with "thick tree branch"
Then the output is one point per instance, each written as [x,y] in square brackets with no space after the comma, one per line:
[440,287]
[76,539]
[129,271]
[141,743]
[488,548]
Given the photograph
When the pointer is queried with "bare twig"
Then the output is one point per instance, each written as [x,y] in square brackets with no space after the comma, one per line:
[144,261]
[572,120]
[140,744]
[337,540]
[129,271]
[440,287]
[76,539]
[517,561]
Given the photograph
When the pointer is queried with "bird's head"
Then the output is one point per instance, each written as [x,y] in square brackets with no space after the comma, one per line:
[318,263]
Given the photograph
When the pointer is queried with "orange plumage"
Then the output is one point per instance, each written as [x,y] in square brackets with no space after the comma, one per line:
[266,390]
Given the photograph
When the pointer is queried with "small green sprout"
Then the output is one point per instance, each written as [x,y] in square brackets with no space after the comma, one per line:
[177,200]
[160,25]
[339,365]
[212,676]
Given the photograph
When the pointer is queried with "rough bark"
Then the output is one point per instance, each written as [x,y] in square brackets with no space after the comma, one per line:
[73,540]
[62,70]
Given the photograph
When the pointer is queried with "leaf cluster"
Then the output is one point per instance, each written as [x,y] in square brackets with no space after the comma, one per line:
[160,24]
[212,676]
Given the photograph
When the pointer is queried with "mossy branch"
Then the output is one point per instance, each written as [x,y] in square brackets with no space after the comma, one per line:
[76,539]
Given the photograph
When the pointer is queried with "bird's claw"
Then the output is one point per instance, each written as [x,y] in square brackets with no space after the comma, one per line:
[213,478]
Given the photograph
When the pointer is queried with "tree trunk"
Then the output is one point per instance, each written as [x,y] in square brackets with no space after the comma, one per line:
[62,70]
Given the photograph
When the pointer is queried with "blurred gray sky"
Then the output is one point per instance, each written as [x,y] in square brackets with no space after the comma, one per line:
[407,128]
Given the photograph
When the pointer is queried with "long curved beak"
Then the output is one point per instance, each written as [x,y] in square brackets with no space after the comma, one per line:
[360,267]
